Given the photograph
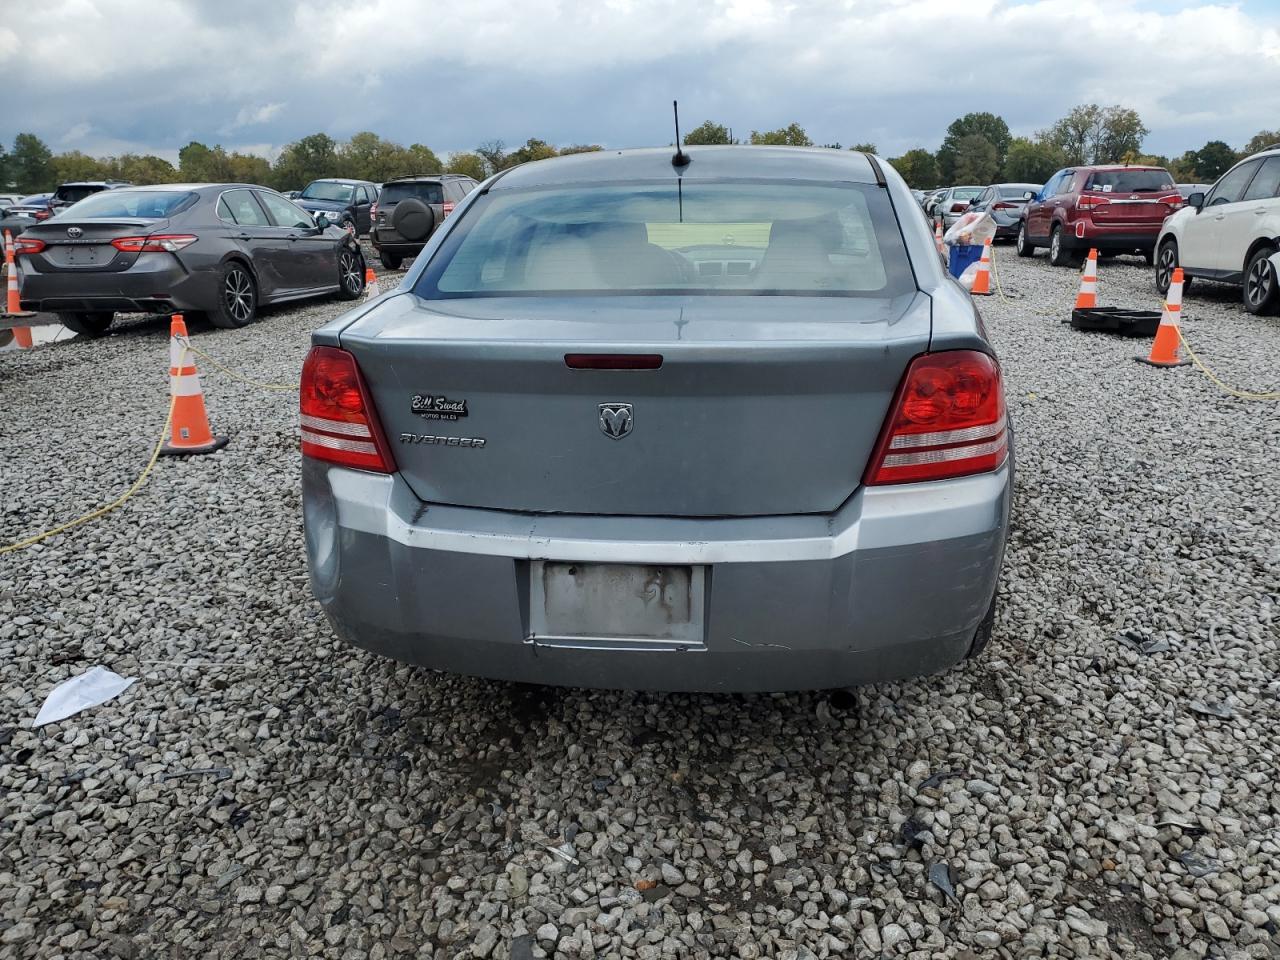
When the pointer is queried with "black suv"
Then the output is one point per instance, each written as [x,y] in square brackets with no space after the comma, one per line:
[75,191]
[345,203]
[408,211]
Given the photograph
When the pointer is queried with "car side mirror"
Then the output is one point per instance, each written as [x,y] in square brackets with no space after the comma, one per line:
[1196,200]
[1028,195]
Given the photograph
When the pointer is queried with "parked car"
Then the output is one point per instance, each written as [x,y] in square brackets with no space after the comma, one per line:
[1004,202]
[35,206]
[408,211]
[931,201]
[344,202]
[953,204]
[1115,208]
[223,249]
[1187,189]
[1231,234]
[7,200]
[623,428]
[74,192]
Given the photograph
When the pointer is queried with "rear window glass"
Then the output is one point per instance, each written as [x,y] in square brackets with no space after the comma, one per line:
[74,194]
[965,193]
[1129,181]
[710,237]
[129,203]
[326,190]
[395,192]
[1017,192]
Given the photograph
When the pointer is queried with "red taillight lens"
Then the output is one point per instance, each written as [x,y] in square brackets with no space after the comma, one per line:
[1004,206]
[43,214]
[156,243]
[959,207]
[373,209]
[948,420]
[1174,200]
[447,207]
[1088,201]
[338,421]
[27,245]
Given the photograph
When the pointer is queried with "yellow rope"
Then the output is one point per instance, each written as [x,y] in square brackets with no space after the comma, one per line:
[235,376]
[1241,394]
[137,485]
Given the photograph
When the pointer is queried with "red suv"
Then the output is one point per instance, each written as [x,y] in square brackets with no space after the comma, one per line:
[1118,209]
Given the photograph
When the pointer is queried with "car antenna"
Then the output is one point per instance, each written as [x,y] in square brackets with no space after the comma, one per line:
[681,159]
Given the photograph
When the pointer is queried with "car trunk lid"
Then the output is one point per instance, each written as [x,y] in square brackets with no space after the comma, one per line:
[760,406]
[1130,197]
[85,245]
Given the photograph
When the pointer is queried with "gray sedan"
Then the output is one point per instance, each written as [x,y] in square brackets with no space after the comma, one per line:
[1005,202]
[222,249]
[720,424]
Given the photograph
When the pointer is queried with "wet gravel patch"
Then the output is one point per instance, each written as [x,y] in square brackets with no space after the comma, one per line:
[1102,783]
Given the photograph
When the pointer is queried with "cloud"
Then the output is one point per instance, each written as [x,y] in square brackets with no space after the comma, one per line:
[895,72]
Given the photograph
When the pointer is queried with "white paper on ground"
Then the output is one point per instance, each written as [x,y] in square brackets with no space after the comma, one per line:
[80,693]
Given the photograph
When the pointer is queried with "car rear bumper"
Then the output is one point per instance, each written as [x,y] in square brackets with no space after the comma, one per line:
[155,283]
[1105,236]
[404,248]
[894,584]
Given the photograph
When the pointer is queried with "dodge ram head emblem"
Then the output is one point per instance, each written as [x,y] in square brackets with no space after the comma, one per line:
[616,420]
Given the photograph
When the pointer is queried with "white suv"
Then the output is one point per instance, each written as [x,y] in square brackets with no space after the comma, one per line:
[1231,234]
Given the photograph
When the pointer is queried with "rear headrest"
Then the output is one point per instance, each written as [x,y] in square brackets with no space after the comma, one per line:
[824,231]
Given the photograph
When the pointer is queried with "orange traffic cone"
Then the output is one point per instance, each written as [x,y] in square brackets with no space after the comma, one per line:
[982,282]
[190,433]
[937,237]
[371,288]
[13,304]
[1087,298]
[1165,350]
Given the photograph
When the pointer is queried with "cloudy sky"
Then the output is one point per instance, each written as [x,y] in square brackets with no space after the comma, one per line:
[106,76]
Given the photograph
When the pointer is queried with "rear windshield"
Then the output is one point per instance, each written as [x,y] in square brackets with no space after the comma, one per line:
[965,193]
[325,190]
[129,203]
[1129,181]
[710,237]
[1017,191]
[73,194]
[395,192]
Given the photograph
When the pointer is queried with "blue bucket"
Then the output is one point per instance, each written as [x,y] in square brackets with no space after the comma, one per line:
[963,254]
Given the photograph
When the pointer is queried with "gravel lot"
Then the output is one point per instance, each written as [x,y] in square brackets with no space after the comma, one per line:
[266,791]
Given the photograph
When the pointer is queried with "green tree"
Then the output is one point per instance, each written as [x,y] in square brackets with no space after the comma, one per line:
[990,127]
[707,133]
[1260,141]
[1122,134]
[6,181]
[367,156]
[248,168]
[918,167]
[1214,159]
[198,163]
[864,147]
[469,164]
[31,164]
[494,155]
[75,165]
[1183,169]
[419,158]
[1093,134]
[1031,161]
[311,158]
[580,148]
[792,135]
[977,160]
[142,169]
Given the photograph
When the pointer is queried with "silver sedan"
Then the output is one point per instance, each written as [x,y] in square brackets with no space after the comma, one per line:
[717,421]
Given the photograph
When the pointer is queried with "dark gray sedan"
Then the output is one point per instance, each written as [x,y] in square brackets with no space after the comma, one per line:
[221,249]
[722,423]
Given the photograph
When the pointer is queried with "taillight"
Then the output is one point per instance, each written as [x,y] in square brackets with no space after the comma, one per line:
[43,214]
[947,420]
[373,209]
[156,243]
[959,207]
[1174,200]
[27,245]
[338,421]
[1087,201]
[1004,206]
[447,206]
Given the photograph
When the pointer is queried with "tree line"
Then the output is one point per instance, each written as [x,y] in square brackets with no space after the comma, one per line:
[978,149]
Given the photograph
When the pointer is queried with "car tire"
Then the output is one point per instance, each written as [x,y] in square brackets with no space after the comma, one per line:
[350,274]
[1165,262]
[1060,254]
[93,323]
[391,261]
[1261,284]
[1023,243]
[237,304]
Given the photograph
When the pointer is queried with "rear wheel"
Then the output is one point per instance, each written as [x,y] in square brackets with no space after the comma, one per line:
[1261,285]
[1023,244]
[237,297]
[1060,252]
[88,323]
[390,260]
[350,275]
[1166,263]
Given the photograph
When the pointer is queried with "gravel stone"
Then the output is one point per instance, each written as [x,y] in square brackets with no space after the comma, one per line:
[266,790]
